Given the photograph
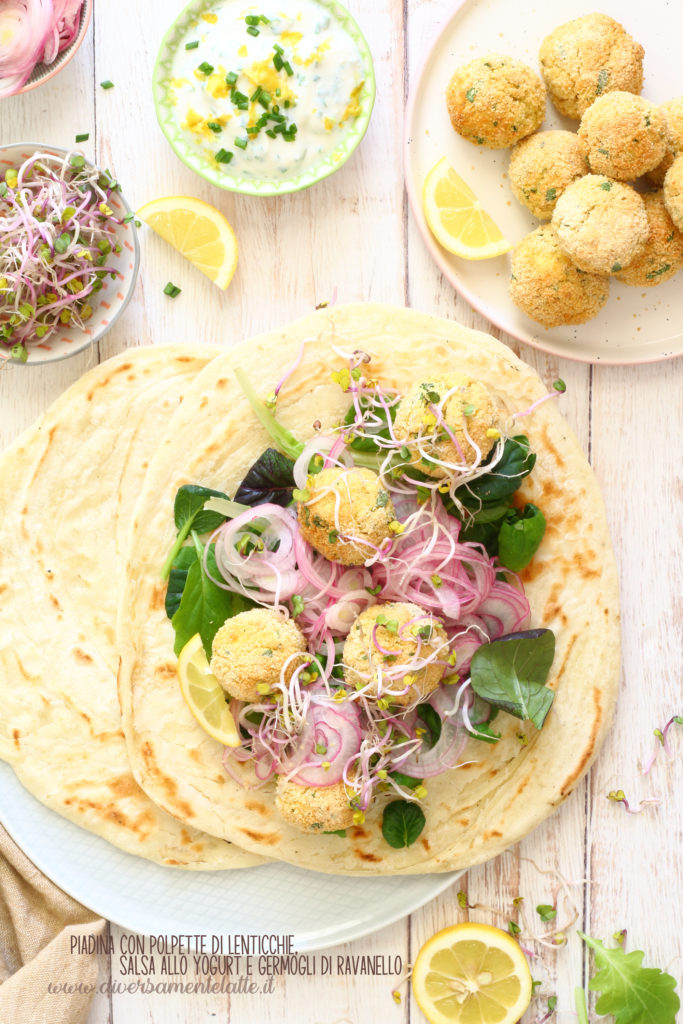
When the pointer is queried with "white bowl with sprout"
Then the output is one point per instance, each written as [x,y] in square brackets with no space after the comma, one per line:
[69,254]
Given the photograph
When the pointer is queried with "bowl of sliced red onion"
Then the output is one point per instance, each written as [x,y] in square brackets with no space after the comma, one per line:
[37,38]
[69,254]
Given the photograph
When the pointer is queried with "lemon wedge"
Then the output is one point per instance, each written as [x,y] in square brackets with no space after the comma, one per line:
[456,218]
[199,233]
[472,974]
[204,695]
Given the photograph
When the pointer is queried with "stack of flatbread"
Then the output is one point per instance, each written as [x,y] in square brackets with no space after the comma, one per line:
[93,721]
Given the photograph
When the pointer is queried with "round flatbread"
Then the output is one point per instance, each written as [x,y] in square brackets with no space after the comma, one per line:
[473,812]
[67,489]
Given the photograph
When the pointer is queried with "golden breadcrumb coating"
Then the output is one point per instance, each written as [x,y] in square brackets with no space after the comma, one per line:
[314,808]
[624,135]
[347,515]
[542,166]
[601,224]
[395,630]
[663,252]
[469,414]
[673,192]
[587,57]
[495,101]
[673,112]
[250,650]
[547,286]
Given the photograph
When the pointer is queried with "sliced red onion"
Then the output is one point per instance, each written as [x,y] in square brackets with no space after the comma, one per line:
[32,31]
[339,731]
[443,755]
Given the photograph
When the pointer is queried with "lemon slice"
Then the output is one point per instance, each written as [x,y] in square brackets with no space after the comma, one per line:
[472,974]
[204,695]
[456,218]
[198,231]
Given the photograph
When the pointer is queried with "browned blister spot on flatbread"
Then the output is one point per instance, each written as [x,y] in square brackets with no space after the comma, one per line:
[15,736]
[370,857]
[492,834]
[221,383]
[570,782]
[357,832]
[158,598]
[82,656]
[256,805]
[55,603]
[169,786]
[269,838]
[585,564]
[167,671]
[123,785]
[3,588]
[123,368]
[141,825]
[425,843]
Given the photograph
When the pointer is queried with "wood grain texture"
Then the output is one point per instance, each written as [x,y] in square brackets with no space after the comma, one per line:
[353,234]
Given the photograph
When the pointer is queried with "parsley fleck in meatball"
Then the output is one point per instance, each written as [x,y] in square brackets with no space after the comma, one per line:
[395,647]
[347,515]
[601,224]
[673,192]
[587,57]
[663,252]
[542,166]
[251,650]
[624,135]
[495,101]
[447,425]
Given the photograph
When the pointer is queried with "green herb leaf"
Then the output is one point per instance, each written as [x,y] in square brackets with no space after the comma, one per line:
[513,928]
[192,45]
[188,514]
[546,912]
[223,156]
[603,79]
[431,719]
[406,780]
[402,823]
[560,385]
[269,479]
[519,537]
[177,579]
[510,673]
[470,94]
[107,84]
[282,437]
[205,68]
[172,290]
[606,186]
[83,137]
[632,993]
[550,194]
[204,607]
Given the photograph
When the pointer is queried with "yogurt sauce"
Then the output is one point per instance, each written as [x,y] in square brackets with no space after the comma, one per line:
[266,93]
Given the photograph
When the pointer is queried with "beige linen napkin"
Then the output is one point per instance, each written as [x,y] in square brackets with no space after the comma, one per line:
[37,921]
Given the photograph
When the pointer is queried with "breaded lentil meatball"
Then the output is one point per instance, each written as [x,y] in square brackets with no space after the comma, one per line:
[547,286]
[673,192]
[587,57]
[601,224]
[314,808]
[393,627]
[624,135]
[250,651]
[673,112]
[469,413]
[542,166]
[663,252]
[495,101]
[347,515]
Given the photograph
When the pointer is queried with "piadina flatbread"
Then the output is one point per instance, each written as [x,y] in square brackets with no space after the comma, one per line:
[472,812]
[67,489]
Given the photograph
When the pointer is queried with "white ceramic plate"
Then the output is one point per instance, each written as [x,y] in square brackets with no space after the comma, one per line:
[636,325]
[319,910]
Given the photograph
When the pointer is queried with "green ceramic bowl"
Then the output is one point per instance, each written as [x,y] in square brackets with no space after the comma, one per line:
[225,177]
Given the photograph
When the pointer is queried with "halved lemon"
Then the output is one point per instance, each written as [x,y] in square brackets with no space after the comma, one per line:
[472,974]
[456,218]
[198,231]
[204,695]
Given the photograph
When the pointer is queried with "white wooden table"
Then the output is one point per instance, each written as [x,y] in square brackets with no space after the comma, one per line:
[354,233]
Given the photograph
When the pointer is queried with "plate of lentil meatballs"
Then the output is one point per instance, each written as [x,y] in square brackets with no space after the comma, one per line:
[568,125]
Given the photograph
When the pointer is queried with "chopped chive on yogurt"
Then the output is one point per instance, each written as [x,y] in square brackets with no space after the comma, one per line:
[280,90]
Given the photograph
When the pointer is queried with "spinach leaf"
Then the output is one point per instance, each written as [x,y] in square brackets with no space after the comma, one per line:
[177,579]
[269,479]
[484,732]
[432,720]
[402,823]
[486,498]
[188,513]
[510,673]
[204,607]
[519,536]
[379,428]
[406,780]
